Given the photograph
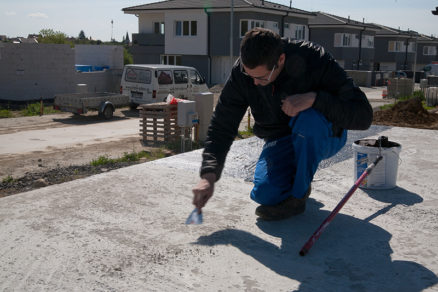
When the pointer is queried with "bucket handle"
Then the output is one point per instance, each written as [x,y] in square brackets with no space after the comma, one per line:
[398,156]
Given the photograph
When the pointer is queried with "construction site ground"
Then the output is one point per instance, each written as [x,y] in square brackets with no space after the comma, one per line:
[124,230]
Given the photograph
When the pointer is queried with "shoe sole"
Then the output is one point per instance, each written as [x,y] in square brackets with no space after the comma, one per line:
[265,217]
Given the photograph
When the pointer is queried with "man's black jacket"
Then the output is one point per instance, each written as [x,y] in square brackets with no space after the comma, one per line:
[307,68]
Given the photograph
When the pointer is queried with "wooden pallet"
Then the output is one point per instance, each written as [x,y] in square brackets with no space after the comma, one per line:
[158,123]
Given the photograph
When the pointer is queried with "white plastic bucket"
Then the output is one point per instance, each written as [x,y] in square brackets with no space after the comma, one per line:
[384,175]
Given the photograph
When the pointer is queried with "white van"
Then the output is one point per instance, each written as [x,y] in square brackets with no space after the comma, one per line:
[152,83]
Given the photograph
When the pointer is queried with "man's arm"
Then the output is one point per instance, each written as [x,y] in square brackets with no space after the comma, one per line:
[340,100]
[337,97]
[203,191]
[221,133]
[224,125]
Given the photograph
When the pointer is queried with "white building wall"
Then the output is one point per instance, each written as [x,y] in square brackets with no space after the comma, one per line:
[34,71]
[186,45]
[146,21]
[221,69]
[111,56]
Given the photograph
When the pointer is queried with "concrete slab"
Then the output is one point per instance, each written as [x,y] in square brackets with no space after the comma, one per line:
[124,230]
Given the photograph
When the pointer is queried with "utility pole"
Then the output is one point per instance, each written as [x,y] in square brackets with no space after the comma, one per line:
[112,22]
[231,34]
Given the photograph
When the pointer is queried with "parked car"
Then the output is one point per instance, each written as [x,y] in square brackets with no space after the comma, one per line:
[399,74]
[152,83]
[431,69]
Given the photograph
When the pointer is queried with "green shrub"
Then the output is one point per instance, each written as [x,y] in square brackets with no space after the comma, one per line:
[8,179]
[34,109]
[127,57]
[419,94]
[102,160]
[5,113]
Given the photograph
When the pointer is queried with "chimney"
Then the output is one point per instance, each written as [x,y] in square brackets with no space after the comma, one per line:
[263,2]
[363,20]
[290,4]
[348,18]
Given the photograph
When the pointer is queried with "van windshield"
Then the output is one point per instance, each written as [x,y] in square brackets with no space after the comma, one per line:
[138,75]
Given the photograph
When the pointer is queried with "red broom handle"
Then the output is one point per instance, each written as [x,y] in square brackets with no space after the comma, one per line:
[308,245]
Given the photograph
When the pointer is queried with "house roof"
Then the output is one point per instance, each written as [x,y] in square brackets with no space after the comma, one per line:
[323,19]
[427,39]
[214,4]
[386,31]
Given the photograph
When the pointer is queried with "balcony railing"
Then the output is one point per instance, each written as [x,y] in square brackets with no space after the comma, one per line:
[148,39]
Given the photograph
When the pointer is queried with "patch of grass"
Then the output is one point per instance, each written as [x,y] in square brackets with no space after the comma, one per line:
[419,94]
[129,157]
[245,134]
[34,109]
[8,179]
[5,113]
[102,160]
[387,106]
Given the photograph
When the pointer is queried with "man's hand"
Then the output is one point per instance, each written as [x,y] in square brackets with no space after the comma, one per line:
[294,104]
[203,191]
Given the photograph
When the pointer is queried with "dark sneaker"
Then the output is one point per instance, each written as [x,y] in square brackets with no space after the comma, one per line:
[283,210]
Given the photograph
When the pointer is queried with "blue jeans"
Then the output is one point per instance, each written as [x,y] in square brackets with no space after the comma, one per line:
[287,165]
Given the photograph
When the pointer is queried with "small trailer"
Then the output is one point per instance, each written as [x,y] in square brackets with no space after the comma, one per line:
[80,103]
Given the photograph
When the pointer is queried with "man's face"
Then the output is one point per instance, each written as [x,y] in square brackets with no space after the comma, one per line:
[262,75]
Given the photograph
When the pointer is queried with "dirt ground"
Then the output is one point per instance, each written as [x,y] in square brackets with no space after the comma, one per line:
[409,113]
[39,165]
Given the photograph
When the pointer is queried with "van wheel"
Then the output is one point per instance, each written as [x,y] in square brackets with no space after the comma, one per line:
[108,112]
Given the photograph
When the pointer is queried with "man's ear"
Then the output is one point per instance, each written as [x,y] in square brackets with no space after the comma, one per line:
[281,60]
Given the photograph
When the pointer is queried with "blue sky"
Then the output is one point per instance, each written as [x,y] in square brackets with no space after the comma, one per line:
[23,17]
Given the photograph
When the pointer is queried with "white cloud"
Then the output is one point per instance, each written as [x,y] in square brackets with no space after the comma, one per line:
[38,15]
[10,13]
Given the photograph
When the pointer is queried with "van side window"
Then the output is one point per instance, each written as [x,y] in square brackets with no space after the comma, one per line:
[194,77]
[138,75]
[164,77]
[180,76]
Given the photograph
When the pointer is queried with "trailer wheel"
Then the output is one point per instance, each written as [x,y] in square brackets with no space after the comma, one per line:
[108,112]
[133,106]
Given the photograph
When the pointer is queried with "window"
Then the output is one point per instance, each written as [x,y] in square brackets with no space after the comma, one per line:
[300,32]
[248,24]
[429,50]
[159,27]
[178,28]
[243,27]
[180,76]
[347,40]
[186,28]
[164,77]
[170,59]
[195,77]
[138,76]
[194,28]
[400,46]
[367,41]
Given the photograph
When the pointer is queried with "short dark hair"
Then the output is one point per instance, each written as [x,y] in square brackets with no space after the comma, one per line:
[261,46]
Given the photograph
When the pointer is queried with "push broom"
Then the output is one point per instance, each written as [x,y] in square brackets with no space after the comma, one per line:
[308,245]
